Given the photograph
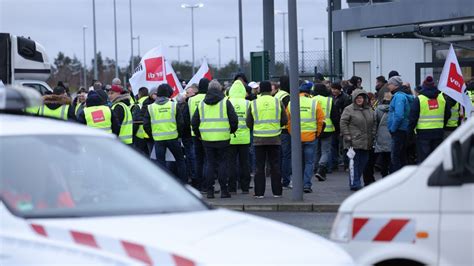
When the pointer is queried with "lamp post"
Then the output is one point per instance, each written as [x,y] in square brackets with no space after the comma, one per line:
[302,50]
[96,73]
[132,63]
[219,51]
[138,40]
[235,39]
[283,14]
[179,49]
[84,45]
[115,34]
[192,7]
[324,48]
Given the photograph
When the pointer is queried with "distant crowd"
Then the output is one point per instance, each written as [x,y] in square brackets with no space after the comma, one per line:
[242,130]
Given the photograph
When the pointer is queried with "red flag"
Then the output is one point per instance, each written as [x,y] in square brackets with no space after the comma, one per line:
[203,72]
[173,80]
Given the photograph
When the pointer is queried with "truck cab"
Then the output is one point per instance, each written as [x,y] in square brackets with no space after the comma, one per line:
[418,215]
[24,62]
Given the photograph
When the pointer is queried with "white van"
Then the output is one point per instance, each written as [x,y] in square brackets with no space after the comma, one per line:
[419,215]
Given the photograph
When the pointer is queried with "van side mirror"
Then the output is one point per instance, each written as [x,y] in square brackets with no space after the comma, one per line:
[456,159]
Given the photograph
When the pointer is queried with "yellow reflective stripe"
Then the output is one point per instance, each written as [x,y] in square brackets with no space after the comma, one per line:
[275,131]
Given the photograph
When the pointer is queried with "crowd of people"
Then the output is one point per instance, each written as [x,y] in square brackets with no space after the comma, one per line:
[242,131]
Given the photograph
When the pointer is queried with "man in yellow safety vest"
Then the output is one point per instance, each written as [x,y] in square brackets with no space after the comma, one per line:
[266,117]
[120,106]
[99,116]
[163,122]
[57,105]
[213,122]
[428,115]
[240,141]
[311,122]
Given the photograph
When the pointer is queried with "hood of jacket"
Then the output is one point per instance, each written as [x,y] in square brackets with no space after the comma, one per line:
[93,99]
[54,99]
[360,92]
[431,93]
[125,98]
[213,96]
[161,100]
[237,90]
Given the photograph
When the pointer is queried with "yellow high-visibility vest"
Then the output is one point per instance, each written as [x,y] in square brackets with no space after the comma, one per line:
[163,121]
[99,117]
[214,124]
[266,114]
[126,129]
[431,112]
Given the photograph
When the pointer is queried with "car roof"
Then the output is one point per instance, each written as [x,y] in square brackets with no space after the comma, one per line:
[17,125]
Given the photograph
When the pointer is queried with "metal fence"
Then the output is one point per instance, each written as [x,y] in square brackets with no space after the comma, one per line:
[307,61]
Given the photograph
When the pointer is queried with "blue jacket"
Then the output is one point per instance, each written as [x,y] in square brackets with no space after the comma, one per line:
[399,111]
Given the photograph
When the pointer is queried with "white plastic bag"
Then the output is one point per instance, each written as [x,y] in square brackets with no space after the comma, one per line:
[351,154]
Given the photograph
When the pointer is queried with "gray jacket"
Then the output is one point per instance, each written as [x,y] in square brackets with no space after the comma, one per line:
[358,125]
[383,139]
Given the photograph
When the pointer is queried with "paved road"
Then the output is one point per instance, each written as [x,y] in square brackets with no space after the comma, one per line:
[316,222]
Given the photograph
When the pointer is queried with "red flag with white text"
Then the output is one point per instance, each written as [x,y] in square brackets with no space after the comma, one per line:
[451,82]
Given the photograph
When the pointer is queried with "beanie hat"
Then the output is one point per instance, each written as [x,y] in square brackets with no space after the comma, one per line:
[306,87]
[429,82]
[393,73]
[265,86]
[395,80]
[93,99]
[164,90]
[203,85]
[59,90]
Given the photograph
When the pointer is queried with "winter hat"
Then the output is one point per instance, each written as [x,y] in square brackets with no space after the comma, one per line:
[429,82]
[93,99]
[395,80]
[253,85]
[164,90]
[306,87]
[59,90]
[153,91]
[116,88]
[203,85]
[393,73]
[265,86]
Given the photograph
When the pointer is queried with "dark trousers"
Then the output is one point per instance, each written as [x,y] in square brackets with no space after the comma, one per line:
[199,164]
[140,146]
[272,154]
[217,158]
[238,167]
[383,158]
[189,157]
[399,150]
[174,146]
[360,161]
[369,169]
[285,161]
[424,147]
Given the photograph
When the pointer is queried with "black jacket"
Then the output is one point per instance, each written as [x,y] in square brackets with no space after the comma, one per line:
[339,103]
[212,98]
[438,133]
[147,119]
[184,110]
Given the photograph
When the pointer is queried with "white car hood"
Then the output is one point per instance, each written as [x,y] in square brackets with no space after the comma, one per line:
[218,237]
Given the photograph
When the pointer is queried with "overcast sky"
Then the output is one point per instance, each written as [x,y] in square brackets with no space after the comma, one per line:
[57,25]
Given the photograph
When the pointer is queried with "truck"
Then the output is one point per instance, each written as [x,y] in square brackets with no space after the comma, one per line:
[24,62]
[419,215]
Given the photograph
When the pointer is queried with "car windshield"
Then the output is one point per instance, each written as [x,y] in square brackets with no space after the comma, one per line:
[76,176]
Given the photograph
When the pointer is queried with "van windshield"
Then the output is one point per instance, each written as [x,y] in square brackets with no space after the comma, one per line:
[75,176]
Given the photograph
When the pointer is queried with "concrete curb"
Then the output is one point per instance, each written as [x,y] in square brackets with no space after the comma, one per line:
[284,207]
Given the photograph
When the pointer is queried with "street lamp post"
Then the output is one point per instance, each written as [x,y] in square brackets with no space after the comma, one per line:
[138,40]
[283,14]
[84,45]
[132,63]
[115,33]
[192,7]
[96,73]
[235,40]
[179,49]
[324,48]
[219,51]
